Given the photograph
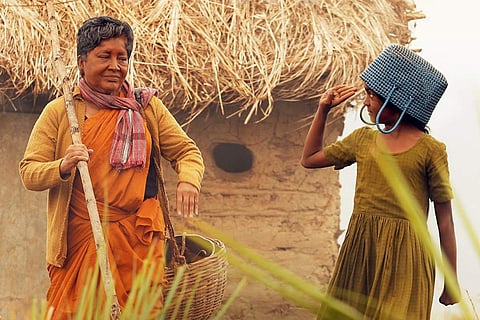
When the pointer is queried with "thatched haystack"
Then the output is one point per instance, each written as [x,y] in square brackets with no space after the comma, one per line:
[231,56]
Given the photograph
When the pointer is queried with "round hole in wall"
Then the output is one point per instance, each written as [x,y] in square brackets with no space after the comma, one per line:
[233,157]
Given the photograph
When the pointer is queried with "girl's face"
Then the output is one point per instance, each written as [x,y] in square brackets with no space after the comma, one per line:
[106,66]
[373,103]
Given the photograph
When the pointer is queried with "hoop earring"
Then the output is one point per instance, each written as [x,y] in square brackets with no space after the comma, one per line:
[363,119]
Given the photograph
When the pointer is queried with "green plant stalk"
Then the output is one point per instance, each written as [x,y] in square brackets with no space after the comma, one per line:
[177,304]
[191,297]
[145,290]
[395,178]
[472,233]
[295,289]
[150,294]
[83,304]
[266,279]
[38,309]
[169,298]
[288,277]
[231,299]
[142,298]
[34,310]
[136,296]
[132,304]
[295,294]
[247,253]
[86,305]
[285,275]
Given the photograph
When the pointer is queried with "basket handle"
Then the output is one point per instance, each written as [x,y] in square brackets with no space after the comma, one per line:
[377,119]
[178,259]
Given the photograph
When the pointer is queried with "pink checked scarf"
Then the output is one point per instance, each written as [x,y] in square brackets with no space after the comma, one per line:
[129,147]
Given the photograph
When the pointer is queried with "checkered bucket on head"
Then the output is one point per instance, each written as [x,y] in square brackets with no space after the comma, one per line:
[406,80]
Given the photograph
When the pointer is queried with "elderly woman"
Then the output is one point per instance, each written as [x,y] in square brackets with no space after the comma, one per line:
[122,140]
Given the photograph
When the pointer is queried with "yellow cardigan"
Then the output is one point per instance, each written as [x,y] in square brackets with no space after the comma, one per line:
[50,137]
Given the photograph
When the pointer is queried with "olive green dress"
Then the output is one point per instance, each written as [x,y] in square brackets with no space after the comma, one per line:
[383,269]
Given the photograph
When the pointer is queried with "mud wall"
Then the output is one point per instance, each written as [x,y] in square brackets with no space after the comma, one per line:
[286,213]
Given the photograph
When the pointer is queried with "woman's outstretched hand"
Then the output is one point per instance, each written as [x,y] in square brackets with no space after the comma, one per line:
[187,200]
[335,96]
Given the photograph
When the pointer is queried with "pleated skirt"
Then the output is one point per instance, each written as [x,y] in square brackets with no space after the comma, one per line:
[383,270]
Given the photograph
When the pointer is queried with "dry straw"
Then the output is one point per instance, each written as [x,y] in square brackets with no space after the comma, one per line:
[231,56]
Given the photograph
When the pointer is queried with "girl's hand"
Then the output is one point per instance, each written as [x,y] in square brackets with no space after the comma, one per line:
[187,200]
[334,96]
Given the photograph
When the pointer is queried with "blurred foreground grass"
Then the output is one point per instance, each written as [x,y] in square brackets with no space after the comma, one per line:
[298,291]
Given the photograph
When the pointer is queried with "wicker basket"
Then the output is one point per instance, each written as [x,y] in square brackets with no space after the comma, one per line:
[201,289]
[200,292]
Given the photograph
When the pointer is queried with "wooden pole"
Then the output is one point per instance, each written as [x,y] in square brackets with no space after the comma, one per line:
[83,168]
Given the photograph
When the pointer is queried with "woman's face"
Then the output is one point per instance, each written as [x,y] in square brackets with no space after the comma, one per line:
[374,103]
[106,66]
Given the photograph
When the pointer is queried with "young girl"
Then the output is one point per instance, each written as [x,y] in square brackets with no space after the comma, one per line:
[384,270]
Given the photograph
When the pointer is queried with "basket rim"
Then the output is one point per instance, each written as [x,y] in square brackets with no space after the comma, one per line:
[216,248]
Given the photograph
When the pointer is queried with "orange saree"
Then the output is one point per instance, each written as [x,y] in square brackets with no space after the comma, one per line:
[132,226]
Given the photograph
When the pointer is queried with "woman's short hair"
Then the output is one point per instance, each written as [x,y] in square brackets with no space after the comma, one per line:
[96,29]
